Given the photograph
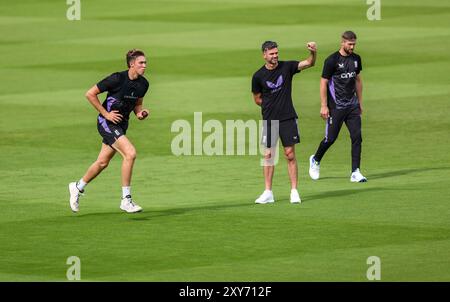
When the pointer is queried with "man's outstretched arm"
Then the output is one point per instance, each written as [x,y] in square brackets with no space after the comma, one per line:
[311,60]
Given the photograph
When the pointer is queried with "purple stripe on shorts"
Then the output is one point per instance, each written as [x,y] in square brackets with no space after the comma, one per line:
[331,87]
[102,122]
[109,101]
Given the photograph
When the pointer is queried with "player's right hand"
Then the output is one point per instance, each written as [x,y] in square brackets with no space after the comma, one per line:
[114,116]
[324,112]
[312,46]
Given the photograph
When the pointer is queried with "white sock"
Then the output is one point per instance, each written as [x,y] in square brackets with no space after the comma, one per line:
[81,184]
[126,191]
[268,191]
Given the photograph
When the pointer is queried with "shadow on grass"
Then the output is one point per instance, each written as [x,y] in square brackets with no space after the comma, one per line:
[406,172]
[394,173]
[150,213]
[336,194]
[340,193]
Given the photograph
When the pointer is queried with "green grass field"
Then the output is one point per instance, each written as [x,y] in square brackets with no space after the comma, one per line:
[200,222]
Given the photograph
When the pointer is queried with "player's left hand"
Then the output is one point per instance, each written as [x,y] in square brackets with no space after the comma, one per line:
[143,114]
[311,46]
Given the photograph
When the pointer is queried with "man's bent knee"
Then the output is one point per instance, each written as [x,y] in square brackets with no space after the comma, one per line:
[131,155]
[102,164]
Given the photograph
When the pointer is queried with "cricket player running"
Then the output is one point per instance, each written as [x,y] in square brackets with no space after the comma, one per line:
[126,90]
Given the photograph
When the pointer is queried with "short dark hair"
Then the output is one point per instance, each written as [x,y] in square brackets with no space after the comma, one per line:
[268,45]
[133,54]
[349,35]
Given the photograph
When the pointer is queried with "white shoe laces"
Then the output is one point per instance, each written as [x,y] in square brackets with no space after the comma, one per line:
[131,202]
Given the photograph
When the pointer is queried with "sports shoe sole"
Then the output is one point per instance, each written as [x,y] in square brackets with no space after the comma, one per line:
[140,210]
[269,201]
[362,180]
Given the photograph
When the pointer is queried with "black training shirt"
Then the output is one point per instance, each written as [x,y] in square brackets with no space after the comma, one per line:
[123,93]
[275,87]
[341,73]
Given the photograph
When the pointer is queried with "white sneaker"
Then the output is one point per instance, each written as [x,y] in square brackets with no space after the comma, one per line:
[314,168]
[129,206]
[357,177]
[266,197]
[295,197]
[74,196]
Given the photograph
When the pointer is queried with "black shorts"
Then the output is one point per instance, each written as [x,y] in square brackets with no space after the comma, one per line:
[286,130]
[109,131]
